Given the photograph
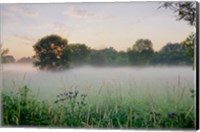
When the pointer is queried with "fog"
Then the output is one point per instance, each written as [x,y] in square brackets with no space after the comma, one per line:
[97,81]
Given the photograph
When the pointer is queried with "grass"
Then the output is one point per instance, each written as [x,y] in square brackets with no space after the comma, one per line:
[171,110]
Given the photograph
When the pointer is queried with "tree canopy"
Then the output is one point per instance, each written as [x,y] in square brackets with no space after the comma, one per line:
[51,53]
[188,43]
[173,47]
[79,53]
[141,52]
[143,45]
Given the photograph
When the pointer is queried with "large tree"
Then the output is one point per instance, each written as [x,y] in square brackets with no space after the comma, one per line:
[141,52]
[51,53]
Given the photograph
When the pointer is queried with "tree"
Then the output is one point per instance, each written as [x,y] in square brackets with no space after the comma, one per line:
[79,53]
[3,53]
[8,59]
[97,58]
[25,60]
[51,53]
[122,58]
[173,47]
[171,54]
[141,52]
[170,58]
[106,56]
[187,12]
[142,45]
[188,43]
[184,10]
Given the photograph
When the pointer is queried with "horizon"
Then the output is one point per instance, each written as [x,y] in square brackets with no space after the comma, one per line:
[97,25]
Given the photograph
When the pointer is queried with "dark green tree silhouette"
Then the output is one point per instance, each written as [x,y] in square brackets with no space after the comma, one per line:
[3,53]
[171,54]
[189,44]
[79,53]
[142,45]
[107,56]
[141,52]
[173,47]
[51,53]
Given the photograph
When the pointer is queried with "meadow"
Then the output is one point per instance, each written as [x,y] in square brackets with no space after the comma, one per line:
[103,97]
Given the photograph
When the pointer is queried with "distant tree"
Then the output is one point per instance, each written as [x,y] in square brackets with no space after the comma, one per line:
[110,55]
[51,53]
[79,53]
[170,58]
[122,58]
[143,45]
[3,53]
[25,60]
[185,10]
[8,59]
[97,58]
[171,54]
[141,52]
[173,47]
[106,56]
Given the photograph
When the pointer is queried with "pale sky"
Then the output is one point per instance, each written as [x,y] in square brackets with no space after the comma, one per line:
[98,25]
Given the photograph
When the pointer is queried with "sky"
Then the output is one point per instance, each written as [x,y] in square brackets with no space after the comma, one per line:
[98,25]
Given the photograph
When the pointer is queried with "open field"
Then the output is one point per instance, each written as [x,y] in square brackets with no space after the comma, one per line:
[119,97]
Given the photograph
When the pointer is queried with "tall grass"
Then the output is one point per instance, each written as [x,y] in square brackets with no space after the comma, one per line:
[173,109]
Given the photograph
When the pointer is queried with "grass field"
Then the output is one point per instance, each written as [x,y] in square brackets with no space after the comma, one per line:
[153,98]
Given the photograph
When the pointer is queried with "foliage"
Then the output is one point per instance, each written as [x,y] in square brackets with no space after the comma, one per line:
[3,53]
[79,53]
[21,109]
[141,52]
[72,110]
[143,45]
[51,53]
[107,56]
[188,43]
[170,58]
[184,10]
[170,47]
[171,54]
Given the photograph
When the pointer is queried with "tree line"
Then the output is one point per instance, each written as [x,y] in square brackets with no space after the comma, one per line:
[53,52]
